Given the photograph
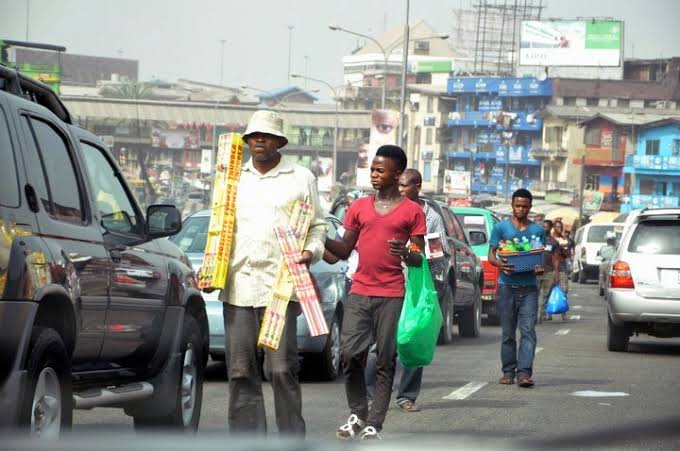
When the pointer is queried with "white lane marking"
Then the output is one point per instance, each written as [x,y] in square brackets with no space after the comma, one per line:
[598,394]
[606,404]
[577,307]
[575,317]
[574,295]
[466,390]
[538,349]
[563,332]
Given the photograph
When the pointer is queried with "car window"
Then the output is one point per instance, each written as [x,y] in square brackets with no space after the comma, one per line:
[115,207]
[598,234]
[56,184]
[194,235]
[9,186]
[452,226]
[656,237]
[472,223]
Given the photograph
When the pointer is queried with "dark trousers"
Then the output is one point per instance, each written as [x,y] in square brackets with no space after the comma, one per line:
[246,403]
[409,383]
[518,307]
[369,320]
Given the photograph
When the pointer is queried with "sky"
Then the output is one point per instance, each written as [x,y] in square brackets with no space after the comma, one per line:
[174,39]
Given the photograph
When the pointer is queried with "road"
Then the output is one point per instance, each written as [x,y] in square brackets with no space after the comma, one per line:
[629,400]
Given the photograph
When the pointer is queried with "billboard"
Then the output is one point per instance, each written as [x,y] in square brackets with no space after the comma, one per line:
[383,131]
[457,183]
[595,43]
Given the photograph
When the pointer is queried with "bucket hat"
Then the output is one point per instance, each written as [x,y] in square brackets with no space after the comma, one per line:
[264,121]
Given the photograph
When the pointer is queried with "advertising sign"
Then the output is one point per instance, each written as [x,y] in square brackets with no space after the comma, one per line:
[571,43]
[175,139]
[383,131]
[505,87]
[457,183]
[592,201]
[206,161]
[323,169]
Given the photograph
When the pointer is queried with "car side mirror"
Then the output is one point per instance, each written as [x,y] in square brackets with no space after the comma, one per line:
[477,237]
[163,220]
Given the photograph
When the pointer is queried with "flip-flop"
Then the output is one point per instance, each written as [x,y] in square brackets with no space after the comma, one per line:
[506,380]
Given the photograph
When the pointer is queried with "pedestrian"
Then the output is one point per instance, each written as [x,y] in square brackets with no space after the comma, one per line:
[552,269]
[517,294]
[564,254]
[380,225]
[269,185]
[410,383]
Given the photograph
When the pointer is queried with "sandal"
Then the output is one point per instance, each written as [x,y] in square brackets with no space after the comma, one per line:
[350,429]
[507,379]
[525,381]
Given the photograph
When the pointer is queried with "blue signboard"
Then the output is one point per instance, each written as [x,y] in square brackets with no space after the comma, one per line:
[490,104]
[505,87]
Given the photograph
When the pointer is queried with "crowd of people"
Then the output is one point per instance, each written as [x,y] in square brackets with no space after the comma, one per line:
[383,233]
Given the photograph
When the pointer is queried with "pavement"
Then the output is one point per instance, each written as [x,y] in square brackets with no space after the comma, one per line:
[585,396]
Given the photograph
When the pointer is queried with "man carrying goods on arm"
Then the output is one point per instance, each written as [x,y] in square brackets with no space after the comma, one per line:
[269,188]
[380,225]
[517,293]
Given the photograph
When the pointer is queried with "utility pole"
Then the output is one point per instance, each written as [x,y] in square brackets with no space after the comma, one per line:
[28,15]
[404,64]
[290,50]
[306,71]
[222,42]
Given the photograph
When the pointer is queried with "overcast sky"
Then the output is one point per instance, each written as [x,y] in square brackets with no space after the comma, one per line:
[180,39]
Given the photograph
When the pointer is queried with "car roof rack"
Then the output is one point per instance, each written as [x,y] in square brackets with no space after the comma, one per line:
[18,84]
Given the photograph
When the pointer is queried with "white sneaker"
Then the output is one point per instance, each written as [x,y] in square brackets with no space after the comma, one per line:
[369,433]
[350,429]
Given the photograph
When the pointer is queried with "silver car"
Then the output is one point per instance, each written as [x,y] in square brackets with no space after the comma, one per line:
[320,355]
[644,279]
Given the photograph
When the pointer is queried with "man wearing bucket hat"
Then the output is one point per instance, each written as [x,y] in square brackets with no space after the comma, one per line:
[269,186]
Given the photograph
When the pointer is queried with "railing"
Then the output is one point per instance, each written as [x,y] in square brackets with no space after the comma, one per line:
[654,163]
[601,157]
[550,151]
[544,185]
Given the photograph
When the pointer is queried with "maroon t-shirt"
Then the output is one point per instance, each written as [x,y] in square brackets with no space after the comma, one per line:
[378,273]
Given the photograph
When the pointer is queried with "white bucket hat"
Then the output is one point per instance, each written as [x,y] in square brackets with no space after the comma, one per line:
[264,121]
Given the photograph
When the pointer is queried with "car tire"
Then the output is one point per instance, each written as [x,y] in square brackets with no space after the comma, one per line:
[189,398]
[470,320]
[617,337]
[574,276]
[600,289]
[47,403]
[446,331]
[493,320]
[329,359]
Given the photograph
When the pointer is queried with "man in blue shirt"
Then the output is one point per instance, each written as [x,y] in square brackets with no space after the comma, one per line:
[517,294]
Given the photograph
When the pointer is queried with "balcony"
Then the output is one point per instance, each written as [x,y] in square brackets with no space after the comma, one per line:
[652,164]
[551,152]
[601,157]
[651,201]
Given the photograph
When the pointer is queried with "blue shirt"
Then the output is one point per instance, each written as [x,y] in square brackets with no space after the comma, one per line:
[506,231]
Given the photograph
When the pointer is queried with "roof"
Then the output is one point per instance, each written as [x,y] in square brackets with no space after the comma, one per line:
[428,89]
[633,118]
[620,114]
[282,92]
[394,38]
[665,121]
[116,110]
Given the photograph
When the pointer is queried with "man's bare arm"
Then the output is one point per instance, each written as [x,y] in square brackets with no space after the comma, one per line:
[343,247]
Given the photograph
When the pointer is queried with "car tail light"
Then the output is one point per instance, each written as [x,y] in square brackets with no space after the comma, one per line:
[620,276]
[490,276]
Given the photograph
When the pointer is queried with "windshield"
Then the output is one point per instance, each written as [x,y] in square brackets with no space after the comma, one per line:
[193,236]
[598,234]
[472,223]
[656,237]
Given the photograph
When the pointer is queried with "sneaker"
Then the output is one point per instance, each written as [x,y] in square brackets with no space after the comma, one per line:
[350,429]
[369,433]
[408,406]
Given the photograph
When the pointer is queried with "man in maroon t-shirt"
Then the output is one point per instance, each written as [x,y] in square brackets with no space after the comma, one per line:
[379,226]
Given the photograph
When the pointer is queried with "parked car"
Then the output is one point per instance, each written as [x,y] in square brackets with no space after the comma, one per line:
[604,255]
[95,309]
[587,241]
[478,224]
[644,280]
[320,355]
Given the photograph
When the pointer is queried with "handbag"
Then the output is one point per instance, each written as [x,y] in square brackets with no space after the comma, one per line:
[557,301]
[420,320]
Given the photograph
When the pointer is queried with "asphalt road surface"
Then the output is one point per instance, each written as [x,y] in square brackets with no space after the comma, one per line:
[585,397]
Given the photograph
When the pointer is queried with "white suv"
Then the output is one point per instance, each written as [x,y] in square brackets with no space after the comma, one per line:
[644,279]
[587,241]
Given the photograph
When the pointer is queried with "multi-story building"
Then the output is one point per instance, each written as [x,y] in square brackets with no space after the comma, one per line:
[492,131]
[654,168]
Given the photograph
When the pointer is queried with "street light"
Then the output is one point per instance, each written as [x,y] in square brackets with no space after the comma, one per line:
[335,130]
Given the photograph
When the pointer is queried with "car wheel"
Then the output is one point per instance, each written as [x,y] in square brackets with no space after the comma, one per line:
[47,406]
[446,331]
[600,288]
[617,336]
[493,320]
[329,362]
[470,320]
[189,393]
[574,276]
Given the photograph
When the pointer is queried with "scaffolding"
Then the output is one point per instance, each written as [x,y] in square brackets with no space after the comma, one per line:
[487,36]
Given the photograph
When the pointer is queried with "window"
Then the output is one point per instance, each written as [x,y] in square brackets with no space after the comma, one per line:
[592,101]
[598,234]
[676,148]
[61,195]
[646,186]
[9,185]
[592,136]
[656,237]
[194,235]
[428,135]
[553,135]
[427,171]
[592,182]
[570,101]
[116,210]
[623,103]
[430,104]
[652,147]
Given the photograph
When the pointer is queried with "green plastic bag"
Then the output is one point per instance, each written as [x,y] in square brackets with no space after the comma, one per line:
[420,320]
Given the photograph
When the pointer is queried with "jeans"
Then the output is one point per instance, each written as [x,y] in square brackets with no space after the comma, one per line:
[370,320]
[518,306]
[409,384]
[246,403]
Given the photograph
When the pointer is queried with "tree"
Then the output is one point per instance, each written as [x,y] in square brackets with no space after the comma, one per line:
[127,90]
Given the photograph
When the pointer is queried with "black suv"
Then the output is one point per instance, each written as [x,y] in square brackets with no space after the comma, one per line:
[94,309]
